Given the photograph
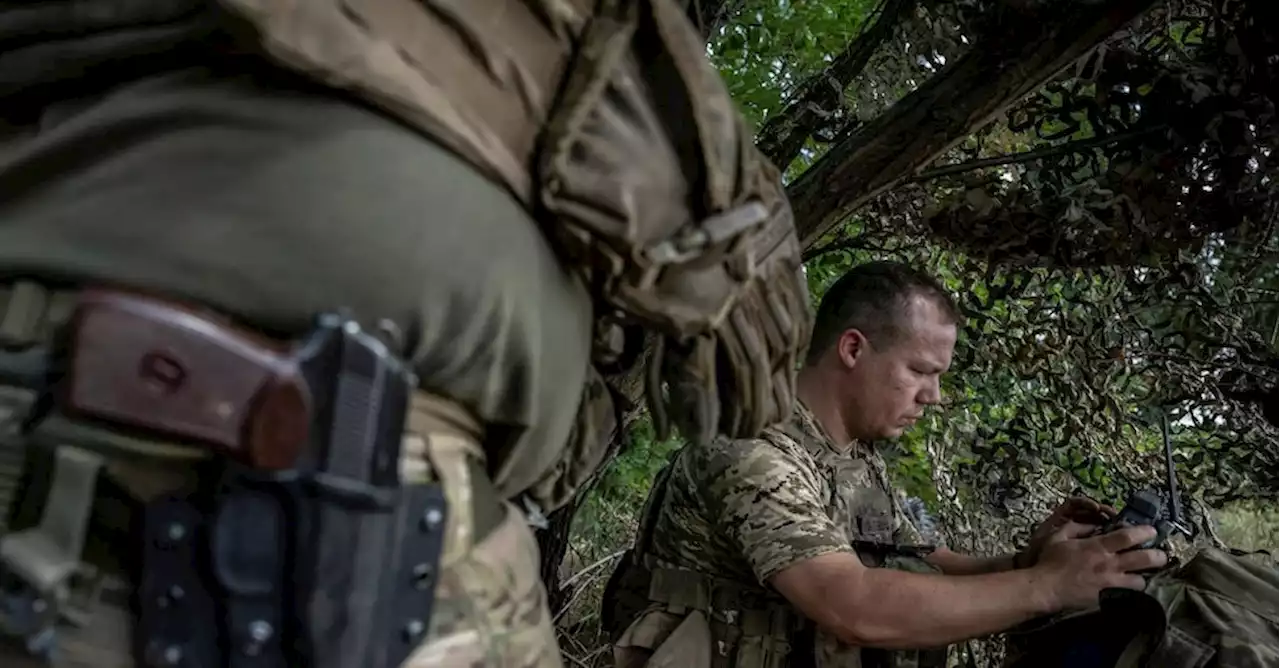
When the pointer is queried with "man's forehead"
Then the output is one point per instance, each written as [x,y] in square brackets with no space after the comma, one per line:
[928,326]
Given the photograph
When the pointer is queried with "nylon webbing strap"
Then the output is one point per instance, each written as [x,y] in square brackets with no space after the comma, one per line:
[102,644]
[45,578]
[751,625]
[27,312]
[14,404]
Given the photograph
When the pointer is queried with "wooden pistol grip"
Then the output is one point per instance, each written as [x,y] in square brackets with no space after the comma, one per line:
[162,368]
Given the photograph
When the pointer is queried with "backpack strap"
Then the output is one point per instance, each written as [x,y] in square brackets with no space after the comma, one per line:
[649,514]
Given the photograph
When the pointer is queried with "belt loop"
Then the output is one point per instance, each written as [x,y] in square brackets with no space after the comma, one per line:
[442,444]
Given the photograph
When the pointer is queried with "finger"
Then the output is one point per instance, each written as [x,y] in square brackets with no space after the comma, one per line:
[1134,582]
[1141,560]
[1086,510]
[1075,530]
[1071,506]
[1126,538]
[1081,502]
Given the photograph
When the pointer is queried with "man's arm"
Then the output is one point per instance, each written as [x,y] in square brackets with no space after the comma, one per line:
[771,505]
[879,607]
[955,563]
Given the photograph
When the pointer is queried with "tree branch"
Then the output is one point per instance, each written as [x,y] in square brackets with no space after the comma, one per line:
[847,244]
[708,16]
[784,134]
[964,96]
[1078,146]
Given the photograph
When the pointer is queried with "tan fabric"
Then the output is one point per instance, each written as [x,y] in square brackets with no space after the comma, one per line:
[679,641]
[106,643]
[491,607]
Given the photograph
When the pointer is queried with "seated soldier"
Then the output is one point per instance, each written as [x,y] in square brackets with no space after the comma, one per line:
[791,549]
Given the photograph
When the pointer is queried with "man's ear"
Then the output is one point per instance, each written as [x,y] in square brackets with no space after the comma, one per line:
[850,347]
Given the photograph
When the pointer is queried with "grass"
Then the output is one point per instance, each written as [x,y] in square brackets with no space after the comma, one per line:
[1251,525]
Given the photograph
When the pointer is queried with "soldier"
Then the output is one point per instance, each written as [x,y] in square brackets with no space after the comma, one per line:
[300,300]
[791,548]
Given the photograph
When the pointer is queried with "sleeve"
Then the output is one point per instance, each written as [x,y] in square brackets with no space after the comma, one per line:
[769,503]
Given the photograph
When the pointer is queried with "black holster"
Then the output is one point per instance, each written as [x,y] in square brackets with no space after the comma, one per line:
[300,544]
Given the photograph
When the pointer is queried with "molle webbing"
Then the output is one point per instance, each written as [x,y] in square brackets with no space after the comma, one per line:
[752,627]
[29,314]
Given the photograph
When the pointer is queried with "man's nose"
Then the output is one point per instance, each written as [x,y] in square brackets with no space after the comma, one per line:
[931,395]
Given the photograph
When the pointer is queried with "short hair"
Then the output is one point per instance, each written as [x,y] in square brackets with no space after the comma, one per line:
[873,299]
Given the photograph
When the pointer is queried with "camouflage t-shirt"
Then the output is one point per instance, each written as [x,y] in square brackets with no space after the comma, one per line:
[747,509]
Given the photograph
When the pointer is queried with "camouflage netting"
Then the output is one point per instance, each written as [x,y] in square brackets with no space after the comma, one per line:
[1112,240]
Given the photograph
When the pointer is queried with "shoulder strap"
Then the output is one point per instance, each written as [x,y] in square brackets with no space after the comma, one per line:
[649,515]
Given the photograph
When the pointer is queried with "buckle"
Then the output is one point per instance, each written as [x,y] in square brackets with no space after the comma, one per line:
[39,566]
[693,240]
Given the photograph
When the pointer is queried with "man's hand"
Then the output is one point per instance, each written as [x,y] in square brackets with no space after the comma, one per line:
[883,607]
[1075,567]
[1077,509]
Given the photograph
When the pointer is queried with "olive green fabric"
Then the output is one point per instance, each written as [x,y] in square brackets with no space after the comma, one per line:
[262,197]
[1216,610]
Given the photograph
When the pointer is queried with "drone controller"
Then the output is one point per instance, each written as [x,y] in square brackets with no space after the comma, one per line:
[1143,507]
[1146,507]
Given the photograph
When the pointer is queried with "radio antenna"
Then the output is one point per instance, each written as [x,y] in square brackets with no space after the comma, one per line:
[1171,478]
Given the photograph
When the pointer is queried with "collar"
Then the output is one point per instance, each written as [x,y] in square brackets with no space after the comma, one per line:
[805,429]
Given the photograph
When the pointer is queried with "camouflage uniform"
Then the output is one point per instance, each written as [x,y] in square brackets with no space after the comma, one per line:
[464,173]
[725,517]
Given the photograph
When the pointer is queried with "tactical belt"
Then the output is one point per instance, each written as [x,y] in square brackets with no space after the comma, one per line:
[752,626]
[299,542]
[756,627]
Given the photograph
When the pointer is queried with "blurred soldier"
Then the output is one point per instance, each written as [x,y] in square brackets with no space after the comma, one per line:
[304,303]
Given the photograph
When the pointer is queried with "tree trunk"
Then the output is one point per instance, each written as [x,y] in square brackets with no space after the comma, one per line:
[784,134]
[1020,53]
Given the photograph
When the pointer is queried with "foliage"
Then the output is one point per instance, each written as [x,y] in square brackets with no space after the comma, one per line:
[1111,239]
